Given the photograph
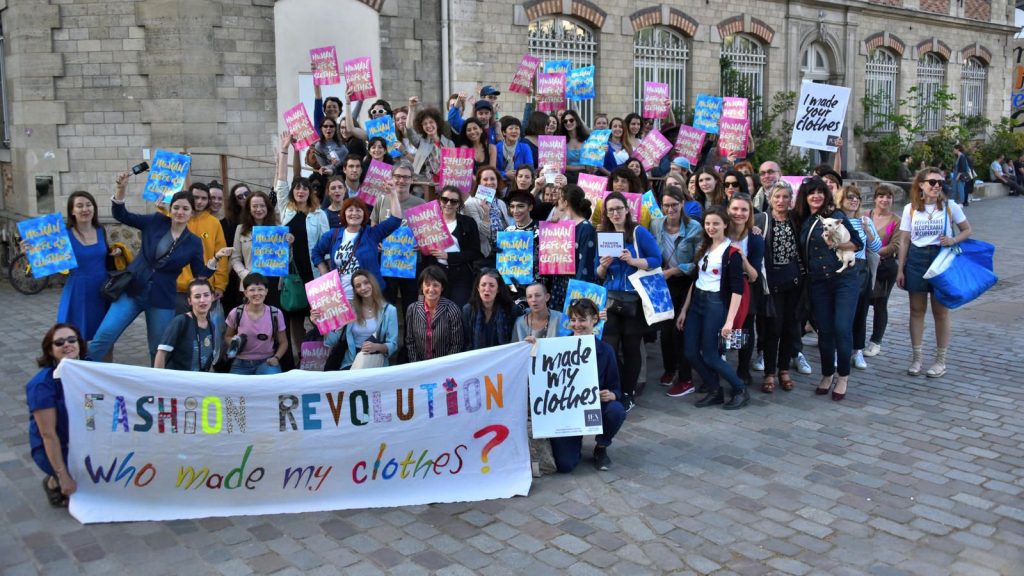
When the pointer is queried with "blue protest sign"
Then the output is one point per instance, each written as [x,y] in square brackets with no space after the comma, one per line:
[595,148]
[49,247]
[706,113]
[270,250]
[398,254]
[558,67]
[166,176]
[579,289]
[384,127]
[515,256]
[580,83]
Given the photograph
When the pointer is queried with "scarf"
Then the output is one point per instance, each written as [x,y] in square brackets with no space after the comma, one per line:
[508,154]
[493,333]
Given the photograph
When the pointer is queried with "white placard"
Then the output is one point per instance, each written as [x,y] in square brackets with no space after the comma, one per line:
[610,244]
[565,398]
[152,444]
[820,113]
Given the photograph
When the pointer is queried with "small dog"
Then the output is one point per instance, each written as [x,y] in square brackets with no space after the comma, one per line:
[835,234]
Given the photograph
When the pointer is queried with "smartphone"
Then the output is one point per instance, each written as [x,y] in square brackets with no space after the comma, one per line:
[140,168]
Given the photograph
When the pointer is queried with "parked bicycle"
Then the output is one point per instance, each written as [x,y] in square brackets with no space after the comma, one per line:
[19,272]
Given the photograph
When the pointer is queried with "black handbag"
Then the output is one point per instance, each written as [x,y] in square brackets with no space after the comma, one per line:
[623,303]
[115,285]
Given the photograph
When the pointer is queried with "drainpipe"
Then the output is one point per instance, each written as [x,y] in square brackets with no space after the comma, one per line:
[445,47]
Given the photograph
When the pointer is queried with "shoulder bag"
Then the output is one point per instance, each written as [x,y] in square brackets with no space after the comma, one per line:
[119,281]
[293,291]
[365,360]
[623,302]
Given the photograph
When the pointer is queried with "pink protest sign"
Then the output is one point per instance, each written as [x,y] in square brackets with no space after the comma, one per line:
[377,183]
[733,107]
[427,224]
[326,296]
[314,356]
[301,127]
[652,149]
[732,137]
[359,78]
[457,168]
[655,100]
[551,152]
[550,92]
[558,247]
[325,66]
[689,143]
[522,82]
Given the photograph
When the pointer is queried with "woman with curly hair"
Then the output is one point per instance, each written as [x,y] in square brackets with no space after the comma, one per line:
[427,135]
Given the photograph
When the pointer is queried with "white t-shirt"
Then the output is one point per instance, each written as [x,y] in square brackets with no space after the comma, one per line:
[345,262]
[709,269]
[926,226]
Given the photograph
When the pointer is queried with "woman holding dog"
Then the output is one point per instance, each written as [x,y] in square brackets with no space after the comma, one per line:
[929,222]
[832,287]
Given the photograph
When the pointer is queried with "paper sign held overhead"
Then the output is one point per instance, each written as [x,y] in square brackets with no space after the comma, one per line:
[551,152]
[732,137]
[359,79]
[325,66]
[427,224]
[652,149]
[656,100]
[522,82]
[550,92]
[706,113]
[49,246]
[300,126]
[457,168]
[820,114]
[580,83]
[166,176]
[735,108]
[689,143]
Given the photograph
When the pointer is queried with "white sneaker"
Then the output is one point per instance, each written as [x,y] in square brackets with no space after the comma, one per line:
[858,360]
[801,365]
[758,365]
[872,350]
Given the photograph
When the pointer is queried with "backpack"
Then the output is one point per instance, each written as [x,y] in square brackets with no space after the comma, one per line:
[240,311]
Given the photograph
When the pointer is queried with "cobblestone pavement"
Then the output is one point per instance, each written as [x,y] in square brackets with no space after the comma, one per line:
[906,476]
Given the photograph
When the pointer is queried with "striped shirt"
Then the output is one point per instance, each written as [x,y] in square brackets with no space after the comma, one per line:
[444,333]
[874,246]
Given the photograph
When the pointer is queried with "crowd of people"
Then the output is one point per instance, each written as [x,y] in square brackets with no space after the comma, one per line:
[750,263]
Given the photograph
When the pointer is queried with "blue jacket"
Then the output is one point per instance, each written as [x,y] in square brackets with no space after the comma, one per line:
[522,157]
[821,261]
[607,368]
[157,287]
[617,275]
[366,248]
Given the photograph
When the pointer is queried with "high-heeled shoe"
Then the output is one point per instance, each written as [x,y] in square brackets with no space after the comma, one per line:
[822,390]
[837,396]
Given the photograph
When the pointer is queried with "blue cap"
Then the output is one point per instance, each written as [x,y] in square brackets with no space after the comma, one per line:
[489,91]
[682,162]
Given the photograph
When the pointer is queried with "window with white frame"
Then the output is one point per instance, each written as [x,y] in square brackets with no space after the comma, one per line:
[972,88]
[747,59]
[558,38]
[814,64]
[881,76]
[660,54]
[931,76]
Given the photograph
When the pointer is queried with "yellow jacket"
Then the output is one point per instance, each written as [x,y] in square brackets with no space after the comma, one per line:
[208,228]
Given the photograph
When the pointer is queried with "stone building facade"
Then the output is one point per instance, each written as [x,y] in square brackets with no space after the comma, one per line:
[90,86]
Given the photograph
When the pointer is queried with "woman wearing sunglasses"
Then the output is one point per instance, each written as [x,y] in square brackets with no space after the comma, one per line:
[48,425]
[929,222]
[734,181]
[457,260]
[833,294]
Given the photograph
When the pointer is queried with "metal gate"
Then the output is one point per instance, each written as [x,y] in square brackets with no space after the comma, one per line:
[748,59]
[931,75]
[972,88]
[559,38]
[660,55]
[880,78]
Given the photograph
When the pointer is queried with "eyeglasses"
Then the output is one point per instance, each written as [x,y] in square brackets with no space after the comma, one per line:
[731,184]
[932,182]
[670,205]
[402,176]
[618,210]
[446,200]
[767,172]
[68,340]
[853,198]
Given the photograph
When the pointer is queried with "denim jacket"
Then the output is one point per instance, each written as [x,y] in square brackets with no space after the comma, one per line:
[685,246]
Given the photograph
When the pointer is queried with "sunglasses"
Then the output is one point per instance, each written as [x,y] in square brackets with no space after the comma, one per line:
[932,182]
[62,341]
[241,195]
[331,126]
[451,201]
[378,112]
[731,184]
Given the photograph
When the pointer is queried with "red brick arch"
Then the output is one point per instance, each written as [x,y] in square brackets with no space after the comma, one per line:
[977,51]
[377,5]
[652,16]
[754,27]
[885,40]
[583,10]
[934,45]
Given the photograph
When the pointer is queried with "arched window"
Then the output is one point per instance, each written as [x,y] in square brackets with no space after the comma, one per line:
[814,64]
[931,76]
[881,75]
[660,55]
[558,38]
[972,88]
[744,75]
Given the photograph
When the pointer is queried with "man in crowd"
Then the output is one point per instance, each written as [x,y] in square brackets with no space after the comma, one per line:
[999,175]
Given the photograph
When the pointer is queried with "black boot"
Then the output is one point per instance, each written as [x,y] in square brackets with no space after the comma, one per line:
[711,398]
[738,400]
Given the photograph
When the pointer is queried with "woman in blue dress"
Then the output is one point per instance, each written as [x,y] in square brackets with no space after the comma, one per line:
[81,303]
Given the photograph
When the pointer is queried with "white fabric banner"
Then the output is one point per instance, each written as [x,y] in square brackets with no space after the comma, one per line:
[820,114]
[564,393]
[161,445]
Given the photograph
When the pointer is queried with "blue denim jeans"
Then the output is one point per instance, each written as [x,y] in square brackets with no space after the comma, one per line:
[253,367]
[120,315]
[567,451]
[834,303]
[701,334]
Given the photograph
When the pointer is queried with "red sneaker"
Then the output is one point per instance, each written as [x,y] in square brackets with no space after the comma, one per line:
[680,389]
[667,378]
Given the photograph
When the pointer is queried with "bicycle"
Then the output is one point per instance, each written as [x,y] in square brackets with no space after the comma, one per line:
[19,272]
